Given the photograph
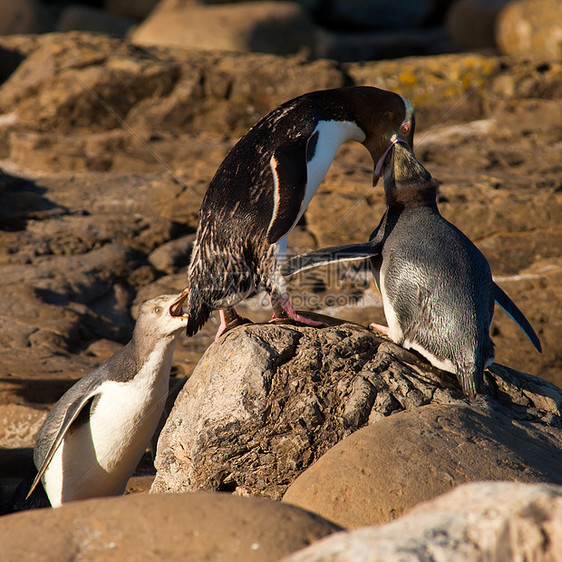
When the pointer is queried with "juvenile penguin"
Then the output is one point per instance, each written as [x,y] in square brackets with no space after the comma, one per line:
[264,185]
[436,286]
[95,435]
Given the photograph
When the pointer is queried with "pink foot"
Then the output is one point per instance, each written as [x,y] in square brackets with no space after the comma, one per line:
[287,311]
[378,327]
[233,320]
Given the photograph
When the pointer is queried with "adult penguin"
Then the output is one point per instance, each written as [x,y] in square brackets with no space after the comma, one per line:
[436,286]
[265,184]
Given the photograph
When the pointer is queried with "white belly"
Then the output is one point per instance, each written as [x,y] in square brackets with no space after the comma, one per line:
[394,330]
[99,457]
[331,135]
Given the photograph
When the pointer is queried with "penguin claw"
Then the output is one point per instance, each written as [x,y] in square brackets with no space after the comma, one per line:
[283,311]
[236,320]
[297,319]
[378,328]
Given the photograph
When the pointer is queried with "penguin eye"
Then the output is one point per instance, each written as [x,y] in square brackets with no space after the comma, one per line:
[158,309]
[405,128]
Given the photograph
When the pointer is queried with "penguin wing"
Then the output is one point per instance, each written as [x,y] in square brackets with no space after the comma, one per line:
[332,254]
[64,423]
[288,166]
[509,307]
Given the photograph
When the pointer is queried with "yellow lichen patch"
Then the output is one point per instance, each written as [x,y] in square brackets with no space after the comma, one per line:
[408,78]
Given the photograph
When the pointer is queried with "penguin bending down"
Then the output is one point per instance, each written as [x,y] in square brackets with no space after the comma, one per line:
[95,435]
[263,187]
[436,286]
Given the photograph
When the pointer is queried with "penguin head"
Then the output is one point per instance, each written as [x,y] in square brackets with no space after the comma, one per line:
[406,181]
[393,120]
[163,315]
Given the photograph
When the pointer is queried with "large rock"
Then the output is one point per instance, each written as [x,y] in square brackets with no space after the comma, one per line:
[23,16]
[134,9]
[471,23]
[265,402]
[269,27]
[496,522]
[84,18]
[531,28]
[168,527]
[81,82]
[386,468]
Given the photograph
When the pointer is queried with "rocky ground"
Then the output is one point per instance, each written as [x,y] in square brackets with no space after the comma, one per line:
[107,148]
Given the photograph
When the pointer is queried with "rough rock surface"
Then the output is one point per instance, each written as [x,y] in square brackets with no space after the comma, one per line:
[383,470]
[495,522]
[106,150]
[167,527]
[265,402]
[531,28]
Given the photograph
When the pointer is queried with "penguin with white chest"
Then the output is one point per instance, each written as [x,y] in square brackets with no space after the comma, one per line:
[437,288]
[95,435]
[263,187]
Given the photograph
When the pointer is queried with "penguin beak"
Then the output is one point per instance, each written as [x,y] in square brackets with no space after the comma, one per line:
[176,308]
[378,168]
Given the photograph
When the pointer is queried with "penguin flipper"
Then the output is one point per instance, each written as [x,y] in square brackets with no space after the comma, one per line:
[288,167]
[325,256]
[509,307]
[72,412]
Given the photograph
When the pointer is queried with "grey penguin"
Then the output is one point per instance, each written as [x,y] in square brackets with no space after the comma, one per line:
[95,435]
[436,286]
[263,187]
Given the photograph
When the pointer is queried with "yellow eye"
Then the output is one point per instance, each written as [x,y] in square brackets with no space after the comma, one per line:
[405,128]
[158,309]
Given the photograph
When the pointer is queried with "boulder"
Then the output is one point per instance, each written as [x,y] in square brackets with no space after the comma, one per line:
[471,23]
[166,527]
[79,82]
[173,255]
[268,27]
[134,9]
[20,17]
[492,521]
[265,402]
[388,467]
[84,18]
[531,29]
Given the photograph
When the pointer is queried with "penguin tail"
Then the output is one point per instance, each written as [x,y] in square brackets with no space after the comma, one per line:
[509,307]
[197,315]
[325,256]
[471,378]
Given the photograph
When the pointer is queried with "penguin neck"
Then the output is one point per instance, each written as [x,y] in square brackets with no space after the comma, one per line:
[411,196]
[153,356]
[322,146]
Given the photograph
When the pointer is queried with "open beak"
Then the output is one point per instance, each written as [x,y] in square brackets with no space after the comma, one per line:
[378,168]
[176,308]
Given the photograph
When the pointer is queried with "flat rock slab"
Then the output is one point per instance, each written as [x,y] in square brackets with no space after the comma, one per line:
[267,401]
[197,527]
[384,469]
[496,522]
